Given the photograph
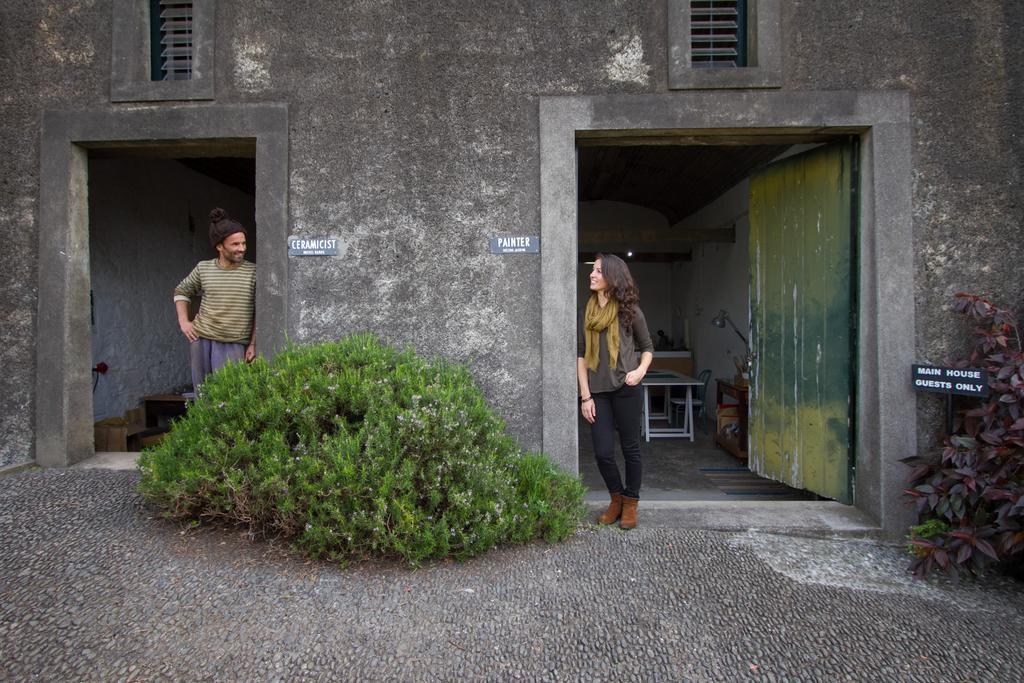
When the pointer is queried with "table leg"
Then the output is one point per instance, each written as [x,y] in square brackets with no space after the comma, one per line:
[689,411]
[685,429]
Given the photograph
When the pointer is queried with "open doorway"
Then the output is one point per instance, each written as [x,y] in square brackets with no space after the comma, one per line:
[148,209]
[881,120]
[64,430]
[680,215]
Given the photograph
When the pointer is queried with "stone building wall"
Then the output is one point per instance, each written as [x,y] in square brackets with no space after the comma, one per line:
[414,138]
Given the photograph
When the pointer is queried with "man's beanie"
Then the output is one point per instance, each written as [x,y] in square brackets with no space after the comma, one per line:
[221,226]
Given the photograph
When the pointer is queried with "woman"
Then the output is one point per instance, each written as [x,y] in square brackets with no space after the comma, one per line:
[612,330]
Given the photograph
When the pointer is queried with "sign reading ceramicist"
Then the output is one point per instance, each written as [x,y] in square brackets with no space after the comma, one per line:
[528,244]
[960,381]
[313,246]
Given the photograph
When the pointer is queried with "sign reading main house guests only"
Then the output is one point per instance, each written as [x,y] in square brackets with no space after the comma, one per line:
[961,381]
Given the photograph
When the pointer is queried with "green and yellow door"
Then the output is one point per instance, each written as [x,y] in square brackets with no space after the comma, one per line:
[803,320]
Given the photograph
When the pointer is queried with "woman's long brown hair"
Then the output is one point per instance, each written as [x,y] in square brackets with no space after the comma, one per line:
[621,287]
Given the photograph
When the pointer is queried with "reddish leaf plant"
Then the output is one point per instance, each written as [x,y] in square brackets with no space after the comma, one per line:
[969,495]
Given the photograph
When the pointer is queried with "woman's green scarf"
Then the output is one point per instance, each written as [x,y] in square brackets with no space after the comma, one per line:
[595,321]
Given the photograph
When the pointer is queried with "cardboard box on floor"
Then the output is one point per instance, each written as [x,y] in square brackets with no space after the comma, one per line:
[130,432]
[113,434]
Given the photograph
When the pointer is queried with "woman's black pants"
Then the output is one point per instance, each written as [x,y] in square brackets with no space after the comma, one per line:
[620,410]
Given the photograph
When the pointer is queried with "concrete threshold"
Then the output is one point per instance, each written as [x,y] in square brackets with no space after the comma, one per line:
[109,460]
[813,518]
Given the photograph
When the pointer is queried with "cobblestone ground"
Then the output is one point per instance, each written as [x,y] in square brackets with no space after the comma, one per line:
[92,587]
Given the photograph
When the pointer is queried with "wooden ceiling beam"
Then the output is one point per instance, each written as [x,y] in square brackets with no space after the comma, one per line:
[669,240]
[640,257]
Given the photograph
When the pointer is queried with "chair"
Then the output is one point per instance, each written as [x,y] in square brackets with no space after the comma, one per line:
[699,401]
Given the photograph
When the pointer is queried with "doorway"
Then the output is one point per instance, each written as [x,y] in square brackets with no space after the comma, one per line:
[70,142]
[148,227]
[884,401]
[680,216]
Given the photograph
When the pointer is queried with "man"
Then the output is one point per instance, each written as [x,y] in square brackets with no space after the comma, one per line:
[224,329]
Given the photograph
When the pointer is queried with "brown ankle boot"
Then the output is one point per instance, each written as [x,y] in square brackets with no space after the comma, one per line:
[628,519]
[614,510]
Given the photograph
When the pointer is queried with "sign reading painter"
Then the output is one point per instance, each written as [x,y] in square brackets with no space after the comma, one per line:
[312,246]
[515,245]
[961,381]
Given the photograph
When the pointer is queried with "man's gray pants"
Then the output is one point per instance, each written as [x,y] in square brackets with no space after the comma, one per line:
[208,355]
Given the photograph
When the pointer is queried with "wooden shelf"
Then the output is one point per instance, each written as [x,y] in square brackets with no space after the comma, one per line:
[740,392]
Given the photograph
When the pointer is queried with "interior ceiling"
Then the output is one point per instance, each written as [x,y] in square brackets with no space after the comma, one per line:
[676,181]
[239,173]
[229,161]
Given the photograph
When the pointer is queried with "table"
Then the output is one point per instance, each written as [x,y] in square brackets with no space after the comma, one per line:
[160,409]
[740,392]
[668,379]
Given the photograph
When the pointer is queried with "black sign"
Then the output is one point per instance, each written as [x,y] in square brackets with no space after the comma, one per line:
[521,244]
[313,246]
[962,381]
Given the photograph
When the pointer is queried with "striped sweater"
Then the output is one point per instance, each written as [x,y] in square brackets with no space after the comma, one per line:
[228,303]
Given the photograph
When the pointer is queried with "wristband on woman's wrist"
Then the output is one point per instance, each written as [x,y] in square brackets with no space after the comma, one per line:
[584,400]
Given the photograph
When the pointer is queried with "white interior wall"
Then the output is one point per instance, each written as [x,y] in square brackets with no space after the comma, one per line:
[717,278]
[140,246]
[654,280]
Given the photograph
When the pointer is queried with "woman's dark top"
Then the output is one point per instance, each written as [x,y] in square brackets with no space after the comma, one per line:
[630,345]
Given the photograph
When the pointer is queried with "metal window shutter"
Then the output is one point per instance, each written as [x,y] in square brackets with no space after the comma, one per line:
[176,40]
[717,33]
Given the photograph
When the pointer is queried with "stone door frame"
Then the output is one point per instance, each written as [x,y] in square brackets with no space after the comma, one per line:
[63,396]
[886,404]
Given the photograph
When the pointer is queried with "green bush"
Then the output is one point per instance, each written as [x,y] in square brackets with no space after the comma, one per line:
[353,450]
[926,531]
